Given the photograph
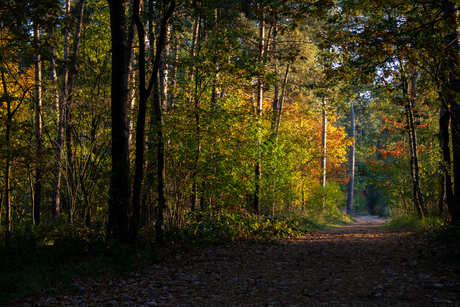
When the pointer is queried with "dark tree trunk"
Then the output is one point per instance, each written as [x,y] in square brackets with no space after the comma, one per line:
[409,98]
[120,205]
[144,93]
[451,13]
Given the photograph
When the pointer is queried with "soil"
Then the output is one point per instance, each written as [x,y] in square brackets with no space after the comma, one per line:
[355,265]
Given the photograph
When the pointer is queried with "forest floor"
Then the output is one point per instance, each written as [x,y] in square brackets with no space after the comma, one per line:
[355,265]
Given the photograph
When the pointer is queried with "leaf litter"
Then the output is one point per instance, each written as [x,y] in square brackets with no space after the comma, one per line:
[354,265]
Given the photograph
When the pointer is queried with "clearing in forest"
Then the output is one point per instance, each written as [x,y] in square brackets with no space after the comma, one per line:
[355,265]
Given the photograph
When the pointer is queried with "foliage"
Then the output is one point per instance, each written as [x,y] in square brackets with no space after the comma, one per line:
[223,227]
[38,258]
[413,222]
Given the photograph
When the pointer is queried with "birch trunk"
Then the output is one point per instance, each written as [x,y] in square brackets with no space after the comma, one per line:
[323,145]
[447,194]
[351,183]
[38,132]
[259,106]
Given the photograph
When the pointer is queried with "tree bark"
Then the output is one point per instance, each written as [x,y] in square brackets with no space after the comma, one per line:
[38,131]
[281,101]
[144,93]
[409,97]
[259,107]
[8,225]
[351,182]
[323,145]
[447,194]
[59,145]
[451,14]
[120,203]
[68,114]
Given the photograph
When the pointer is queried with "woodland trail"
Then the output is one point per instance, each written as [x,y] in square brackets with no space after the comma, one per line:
[354,265]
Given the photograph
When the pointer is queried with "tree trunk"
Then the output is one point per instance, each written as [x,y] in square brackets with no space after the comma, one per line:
[38,132]
[451,14]
[59,107]
[59,145]
[351,183]
[259,106]
[196,31]
[447,194]
[409,97]
[144,93]
[120,204]
[323,145]
[281,101]
[68,114]
[8,225]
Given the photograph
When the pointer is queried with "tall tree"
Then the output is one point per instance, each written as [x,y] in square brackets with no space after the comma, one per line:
[144,93]
[38,130]
[323,145]
[72,63]
[351,182]
[451,14]
[259,109]
[120,202]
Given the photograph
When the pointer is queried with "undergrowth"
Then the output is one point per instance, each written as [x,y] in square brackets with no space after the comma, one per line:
[413,222]
[221,227]
[435,229]
[39,258]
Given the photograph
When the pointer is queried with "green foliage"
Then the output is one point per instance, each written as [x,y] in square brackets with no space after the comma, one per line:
[330,195]
[35,259]
[413,222]
[217,227]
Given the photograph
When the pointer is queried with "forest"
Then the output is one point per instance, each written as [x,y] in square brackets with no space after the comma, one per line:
[128,115]
[165,121]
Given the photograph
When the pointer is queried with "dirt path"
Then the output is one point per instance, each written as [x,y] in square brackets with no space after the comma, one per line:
[355,265]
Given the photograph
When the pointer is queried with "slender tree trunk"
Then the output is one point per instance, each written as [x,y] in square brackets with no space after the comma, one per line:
[38,132]
[144,93]
[68,115]
[447,194]
[163,70]
[281,101]
[409,96]
[351,182]
[8,224]
[259,107]
[175,54]
[196,31]
[323,145]
[451,14]
[59,146]
[275,102]
[59,107]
